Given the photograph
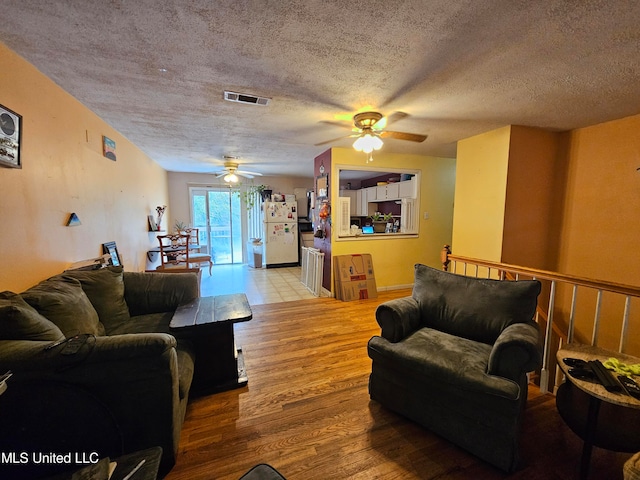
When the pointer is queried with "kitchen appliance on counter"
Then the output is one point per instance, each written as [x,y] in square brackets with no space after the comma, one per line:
[281,234]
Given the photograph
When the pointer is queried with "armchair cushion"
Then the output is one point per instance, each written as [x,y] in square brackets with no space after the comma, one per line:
[105,289]
[456,361]
[477,309]
[20,321]
[62,301]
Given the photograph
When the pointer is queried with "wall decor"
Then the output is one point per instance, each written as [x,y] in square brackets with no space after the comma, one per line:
[111,249]
[10,137]
[322,186]
[73,221]
[109,148]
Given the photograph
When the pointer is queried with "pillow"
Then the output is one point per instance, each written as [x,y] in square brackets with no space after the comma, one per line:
[20,321]
[63,301]
[105,289]
[474,308]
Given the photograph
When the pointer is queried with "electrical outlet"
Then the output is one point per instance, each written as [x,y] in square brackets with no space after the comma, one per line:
[425,215]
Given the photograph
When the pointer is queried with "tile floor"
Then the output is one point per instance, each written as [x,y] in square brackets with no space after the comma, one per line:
[261,285]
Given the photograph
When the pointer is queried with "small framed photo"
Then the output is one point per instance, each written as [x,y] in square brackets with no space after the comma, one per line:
[10,137]
[322,186]
[108,148]
[111,249]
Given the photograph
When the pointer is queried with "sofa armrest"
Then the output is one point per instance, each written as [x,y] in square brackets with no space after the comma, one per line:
[135,376]
[159,292]
[516,351]
[27,356]
[398,318]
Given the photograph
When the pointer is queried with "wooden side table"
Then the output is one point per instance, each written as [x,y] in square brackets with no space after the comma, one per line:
[208,322]
[597,395]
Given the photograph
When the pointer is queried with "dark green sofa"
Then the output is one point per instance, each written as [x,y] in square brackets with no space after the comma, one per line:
[129,363]
[453,357]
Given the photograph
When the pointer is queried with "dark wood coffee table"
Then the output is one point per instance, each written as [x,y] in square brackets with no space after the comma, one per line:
[208,323]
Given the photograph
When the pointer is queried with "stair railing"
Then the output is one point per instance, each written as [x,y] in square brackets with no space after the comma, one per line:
[547,303]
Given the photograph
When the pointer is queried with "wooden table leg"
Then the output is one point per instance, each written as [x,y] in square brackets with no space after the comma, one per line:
[590,433]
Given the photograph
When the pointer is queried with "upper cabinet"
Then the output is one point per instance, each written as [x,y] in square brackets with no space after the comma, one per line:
[407,189]
[387,192]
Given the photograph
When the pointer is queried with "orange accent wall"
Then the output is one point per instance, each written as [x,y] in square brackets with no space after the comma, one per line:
[600,235]
[534,195]
[600,228]
[64,171]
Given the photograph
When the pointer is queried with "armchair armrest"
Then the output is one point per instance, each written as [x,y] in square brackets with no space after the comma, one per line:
[159,292]
[398,318]
[516,351]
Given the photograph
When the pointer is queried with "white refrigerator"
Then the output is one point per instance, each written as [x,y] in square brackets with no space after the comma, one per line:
[281,234]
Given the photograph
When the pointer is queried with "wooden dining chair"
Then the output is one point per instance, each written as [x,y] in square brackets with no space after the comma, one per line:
[174,251]
[196,257]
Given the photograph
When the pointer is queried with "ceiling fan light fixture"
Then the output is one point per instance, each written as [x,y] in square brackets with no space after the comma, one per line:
[367,143]
[230,178]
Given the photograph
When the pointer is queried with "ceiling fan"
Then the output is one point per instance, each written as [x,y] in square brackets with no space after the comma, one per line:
[231,172]
[369,128]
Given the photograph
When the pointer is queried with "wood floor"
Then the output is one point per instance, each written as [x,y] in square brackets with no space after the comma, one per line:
[306,411]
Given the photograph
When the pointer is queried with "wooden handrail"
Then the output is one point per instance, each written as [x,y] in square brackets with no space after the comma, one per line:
[620,288]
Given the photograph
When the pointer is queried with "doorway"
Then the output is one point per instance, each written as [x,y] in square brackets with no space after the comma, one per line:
[216,212]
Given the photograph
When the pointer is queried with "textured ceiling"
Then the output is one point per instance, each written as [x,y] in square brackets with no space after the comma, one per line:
[457,68]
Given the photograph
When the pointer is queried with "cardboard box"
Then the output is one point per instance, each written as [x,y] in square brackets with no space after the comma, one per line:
[354,277]
[351,268]
[358,290]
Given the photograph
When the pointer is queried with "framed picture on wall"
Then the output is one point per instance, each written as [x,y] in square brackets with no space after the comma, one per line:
[322,186]
[10,137]
[111,249]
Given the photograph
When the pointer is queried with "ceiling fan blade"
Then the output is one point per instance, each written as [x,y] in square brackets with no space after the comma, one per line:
[348,126]
[412,137]
[247,173]
[336,139]
[220,174]
[388,120]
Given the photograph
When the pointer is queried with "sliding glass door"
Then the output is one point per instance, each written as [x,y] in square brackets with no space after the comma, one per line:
[217,213]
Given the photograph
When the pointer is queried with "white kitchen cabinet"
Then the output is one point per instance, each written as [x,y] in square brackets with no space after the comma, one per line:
[352,194]
[363,207]
[407,189]
[371,194]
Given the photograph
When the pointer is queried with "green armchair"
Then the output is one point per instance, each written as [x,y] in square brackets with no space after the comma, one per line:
[454,356]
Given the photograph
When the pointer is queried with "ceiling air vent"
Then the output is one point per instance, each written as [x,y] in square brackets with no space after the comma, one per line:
[245,98]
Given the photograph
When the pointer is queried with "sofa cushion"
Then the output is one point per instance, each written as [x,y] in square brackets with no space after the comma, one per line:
[20,321]
[105,289]
[159,322]
[63,301]
[474,308]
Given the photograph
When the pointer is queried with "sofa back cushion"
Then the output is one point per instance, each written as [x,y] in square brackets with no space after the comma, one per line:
[62,301]
[105,289]
[20,321]
[474,308]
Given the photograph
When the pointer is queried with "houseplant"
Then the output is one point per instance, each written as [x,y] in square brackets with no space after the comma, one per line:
[249,195]
[380,221]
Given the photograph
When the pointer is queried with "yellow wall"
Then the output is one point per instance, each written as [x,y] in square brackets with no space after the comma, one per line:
[393,259]
[480,194]
[64,171]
